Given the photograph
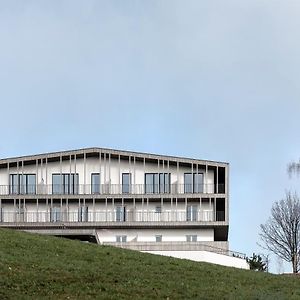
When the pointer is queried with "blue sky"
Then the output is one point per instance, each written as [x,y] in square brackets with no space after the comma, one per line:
[215,80]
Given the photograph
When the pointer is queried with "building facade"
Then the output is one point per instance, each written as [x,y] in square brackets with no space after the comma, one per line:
[134,200]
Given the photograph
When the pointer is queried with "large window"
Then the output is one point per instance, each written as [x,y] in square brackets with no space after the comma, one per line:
[191,213]
[55,214]
[65,184]
[95,186]
[126,183]
[22,183]
[83,213]
[157,183]
[120,213]
[193,182]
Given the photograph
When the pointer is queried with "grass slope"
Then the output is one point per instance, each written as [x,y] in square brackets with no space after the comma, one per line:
[43,267]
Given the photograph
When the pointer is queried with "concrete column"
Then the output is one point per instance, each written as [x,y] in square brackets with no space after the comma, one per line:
[70,160]
[37,176]
[9,183]
[197,183]
[144,175]
[100,175]
[200,210]
[15,210]
[46,176]
[94,212]
[109,169]
[37,209]
[106,209]
[113,209]
[185,208]
[142,209]
[134,176]
[104,171]
[1,215]
[206,178]
[176,199]
[67,210]
[147,209]
[47,219]
[61,210]
[119,177]
[192,171]
[134,210]
[84,173]
[217,177]
[61,179]
[172,213]
[215,210]
[210,207]
[178,183]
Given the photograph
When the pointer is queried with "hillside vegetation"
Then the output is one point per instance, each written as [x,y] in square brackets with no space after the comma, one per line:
[43,267]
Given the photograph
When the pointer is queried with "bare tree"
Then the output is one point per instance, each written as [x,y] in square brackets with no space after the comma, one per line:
[293,167]
[281,233]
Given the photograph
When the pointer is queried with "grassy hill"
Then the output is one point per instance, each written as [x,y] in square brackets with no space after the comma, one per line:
[35,267]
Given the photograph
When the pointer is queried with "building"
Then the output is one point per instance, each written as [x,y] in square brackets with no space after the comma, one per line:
[160,204]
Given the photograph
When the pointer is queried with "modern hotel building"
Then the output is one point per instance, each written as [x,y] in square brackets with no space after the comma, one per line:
[153,203]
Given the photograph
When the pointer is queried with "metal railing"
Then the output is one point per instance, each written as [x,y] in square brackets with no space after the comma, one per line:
[175,246]
[56,215]
[111,189]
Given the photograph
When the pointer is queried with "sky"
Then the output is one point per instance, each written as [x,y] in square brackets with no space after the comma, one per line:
[216,80]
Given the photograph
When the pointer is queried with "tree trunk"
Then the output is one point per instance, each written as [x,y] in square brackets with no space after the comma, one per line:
[295,263]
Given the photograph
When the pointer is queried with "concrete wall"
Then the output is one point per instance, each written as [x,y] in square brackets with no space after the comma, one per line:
[206,256]
[148,235]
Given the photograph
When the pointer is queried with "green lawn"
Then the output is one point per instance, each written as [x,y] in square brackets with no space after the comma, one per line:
[43,267]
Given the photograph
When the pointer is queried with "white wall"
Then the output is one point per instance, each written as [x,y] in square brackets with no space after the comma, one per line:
[112,175]
[206,256]
[148,235]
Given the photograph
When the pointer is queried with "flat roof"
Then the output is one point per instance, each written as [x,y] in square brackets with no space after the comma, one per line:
[107,151]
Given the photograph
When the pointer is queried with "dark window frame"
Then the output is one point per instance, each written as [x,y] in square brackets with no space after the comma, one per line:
[126,187]
[21,188]
[157,188]
[96,191]
[192,188]
[66,187]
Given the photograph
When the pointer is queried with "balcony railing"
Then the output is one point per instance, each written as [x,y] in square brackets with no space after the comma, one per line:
[175,246]
[110,189]
[56,215]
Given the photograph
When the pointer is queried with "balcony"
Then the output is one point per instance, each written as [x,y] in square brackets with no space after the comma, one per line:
[111,189]
[55,215]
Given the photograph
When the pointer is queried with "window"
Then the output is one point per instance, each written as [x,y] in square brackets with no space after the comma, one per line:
[191,213]
[83,214]
[55,214]
[20,212]
[158,209]
[120,214]
[158,238]
[126,183]
[95,183]
[121,238]
[157,183]
[191,238]
[65,184]
[193,183]
[22,184]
